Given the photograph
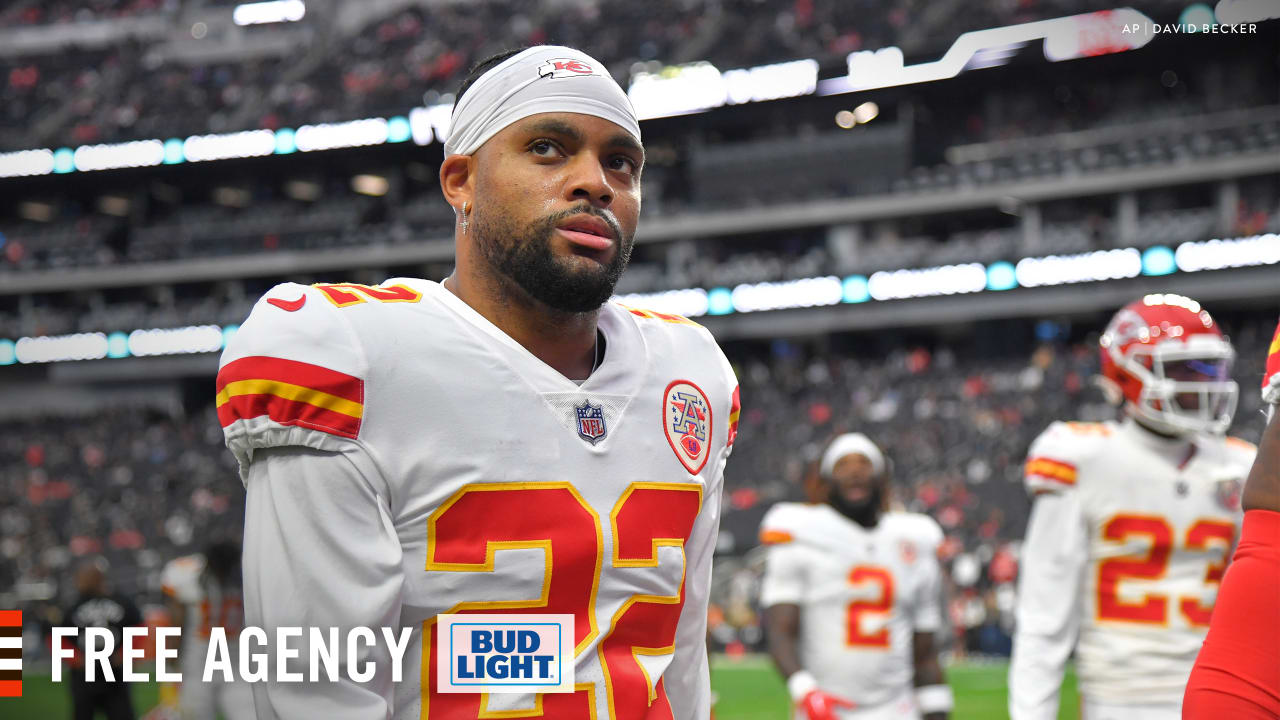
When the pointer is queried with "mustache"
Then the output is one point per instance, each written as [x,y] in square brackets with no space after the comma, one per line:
[601,213]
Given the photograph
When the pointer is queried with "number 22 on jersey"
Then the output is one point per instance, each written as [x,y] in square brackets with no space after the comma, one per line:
[464,533]
[1153,608]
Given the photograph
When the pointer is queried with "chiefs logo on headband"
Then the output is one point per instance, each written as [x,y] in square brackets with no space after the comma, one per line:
[566,67]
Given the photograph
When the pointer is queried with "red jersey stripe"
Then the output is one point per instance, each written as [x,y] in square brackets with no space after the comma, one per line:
[288,412]
[260,367]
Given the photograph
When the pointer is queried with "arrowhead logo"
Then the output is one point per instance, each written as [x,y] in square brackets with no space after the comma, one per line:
[289,305]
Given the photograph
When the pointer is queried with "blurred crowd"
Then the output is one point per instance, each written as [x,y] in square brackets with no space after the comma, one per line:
[141,487]
[384,65]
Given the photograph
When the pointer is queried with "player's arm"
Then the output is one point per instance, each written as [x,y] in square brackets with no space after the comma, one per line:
[1262,490]
[1054,555]
[934,698]
[320,550]
[1236,674]
[781,591]
[688,678]
[782,634]
[933,695]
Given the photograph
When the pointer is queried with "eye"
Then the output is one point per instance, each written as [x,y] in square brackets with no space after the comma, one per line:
[624,163]
[544,148]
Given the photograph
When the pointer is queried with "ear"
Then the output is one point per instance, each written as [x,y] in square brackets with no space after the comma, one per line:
[457,180]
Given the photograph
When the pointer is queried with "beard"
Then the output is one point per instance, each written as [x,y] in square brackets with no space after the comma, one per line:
[865,513]
[524,257]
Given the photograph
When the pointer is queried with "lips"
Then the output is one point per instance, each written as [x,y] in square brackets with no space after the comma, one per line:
[588,231]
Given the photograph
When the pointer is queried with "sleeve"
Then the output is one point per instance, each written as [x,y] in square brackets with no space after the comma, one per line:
[785,576]
[320,550]
[688,678]
[927,615]
[1054,556]
[292,375]
[1051,461]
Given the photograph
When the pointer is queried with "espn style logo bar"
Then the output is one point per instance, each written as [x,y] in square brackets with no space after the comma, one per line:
[10,653]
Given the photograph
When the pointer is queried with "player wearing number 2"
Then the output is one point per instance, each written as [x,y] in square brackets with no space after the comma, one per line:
[852,596]
[1132,524]
[505,441]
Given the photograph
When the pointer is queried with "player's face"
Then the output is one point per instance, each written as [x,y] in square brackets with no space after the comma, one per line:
[1199,371]
[852,480]
[557,203]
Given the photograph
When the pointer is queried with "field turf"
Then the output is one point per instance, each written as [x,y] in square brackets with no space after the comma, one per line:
[748,689]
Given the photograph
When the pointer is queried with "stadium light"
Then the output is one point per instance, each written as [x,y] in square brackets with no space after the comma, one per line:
[965,278]
[1220,254]
[371,185]
[276,11]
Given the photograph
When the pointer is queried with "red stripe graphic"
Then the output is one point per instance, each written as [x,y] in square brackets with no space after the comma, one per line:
[10,686]
[288,412]
[259,367]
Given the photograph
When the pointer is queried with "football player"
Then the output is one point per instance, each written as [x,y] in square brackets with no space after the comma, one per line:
[1237,674]
[1132,523]
[852,596]
[507,440]
[203,592]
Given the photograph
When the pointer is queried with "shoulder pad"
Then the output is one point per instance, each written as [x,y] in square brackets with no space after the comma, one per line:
[180,579]
[919,529]
[670,318]
[1239,451]
[293,374]
[1054,456]
[782,523]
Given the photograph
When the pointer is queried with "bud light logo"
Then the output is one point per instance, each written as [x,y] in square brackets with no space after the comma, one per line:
[505,653]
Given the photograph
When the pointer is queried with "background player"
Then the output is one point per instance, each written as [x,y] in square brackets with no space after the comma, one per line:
[1236,674]
[203,592]
[390,436]
[852,596]
[1132,523]
[97,607]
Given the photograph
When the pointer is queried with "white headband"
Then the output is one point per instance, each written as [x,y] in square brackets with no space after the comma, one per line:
[848,444]
[545,78]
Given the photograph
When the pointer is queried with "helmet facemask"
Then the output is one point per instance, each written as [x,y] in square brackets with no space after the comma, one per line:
[1186,386]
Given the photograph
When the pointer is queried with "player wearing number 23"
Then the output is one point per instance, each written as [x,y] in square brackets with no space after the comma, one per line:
[507,441]
[1132,523]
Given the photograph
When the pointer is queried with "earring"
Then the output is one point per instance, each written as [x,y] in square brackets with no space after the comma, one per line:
[464,217]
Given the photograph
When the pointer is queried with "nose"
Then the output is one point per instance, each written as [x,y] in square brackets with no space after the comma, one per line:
[588,181]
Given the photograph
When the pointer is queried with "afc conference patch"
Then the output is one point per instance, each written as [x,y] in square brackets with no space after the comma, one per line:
[1229,493]
[686,420]
[590,422]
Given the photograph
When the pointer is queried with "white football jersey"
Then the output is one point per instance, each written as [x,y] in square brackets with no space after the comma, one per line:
[403,457]
[1127,541]
[863,593]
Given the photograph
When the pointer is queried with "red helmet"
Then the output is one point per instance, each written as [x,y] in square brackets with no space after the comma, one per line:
[1167,357]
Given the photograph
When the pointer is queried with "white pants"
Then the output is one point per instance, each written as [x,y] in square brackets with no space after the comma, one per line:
[1099,710]
[199,700]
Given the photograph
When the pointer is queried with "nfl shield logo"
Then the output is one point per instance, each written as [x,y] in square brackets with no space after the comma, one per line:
[590,422]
